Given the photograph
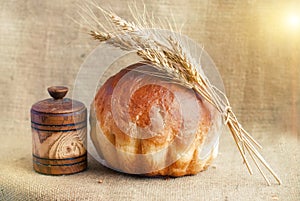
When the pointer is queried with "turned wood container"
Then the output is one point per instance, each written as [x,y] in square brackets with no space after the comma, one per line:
[59,134]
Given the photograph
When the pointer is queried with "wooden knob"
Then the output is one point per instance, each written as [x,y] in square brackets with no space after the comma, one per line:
[57,92]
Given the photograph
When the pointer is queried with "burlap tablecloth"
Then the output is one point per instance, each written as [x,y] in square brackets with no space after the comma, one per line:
[258,58]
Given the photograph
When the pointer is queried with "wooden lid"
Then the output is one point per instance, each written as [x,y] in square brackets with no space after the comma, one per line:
[57,104]
[58,111]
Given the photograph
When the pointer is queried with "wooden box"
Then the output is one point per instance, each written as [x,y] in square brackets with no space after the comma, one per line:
[59,127]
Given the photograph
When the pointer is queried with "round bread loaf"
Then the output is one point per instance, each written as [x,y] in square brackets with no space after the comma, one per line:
[142,123]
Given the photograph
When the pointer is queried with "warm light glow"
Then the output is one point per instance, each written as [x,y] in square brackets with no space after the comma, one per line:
[293,21]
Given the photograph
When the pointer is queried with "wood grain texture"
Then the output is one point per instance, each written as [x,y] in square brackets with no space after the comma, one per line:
[58,153]
[59,131]
[59,142]
[59,145]
[43,120]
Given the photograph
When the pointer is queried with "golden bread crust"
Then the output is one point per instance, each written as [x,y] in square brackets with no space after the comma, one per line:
[148,101]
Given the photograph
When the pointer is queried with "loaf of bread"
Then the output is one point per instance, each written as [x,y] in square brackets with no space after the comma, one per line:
[142,123]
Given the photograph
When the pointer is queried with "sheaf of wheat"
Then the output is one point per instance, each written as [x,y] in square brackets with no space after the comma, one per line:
[172,60]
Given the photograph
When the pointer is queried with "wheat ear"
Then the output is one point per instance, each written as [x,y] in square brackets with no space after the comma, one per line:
[174,61]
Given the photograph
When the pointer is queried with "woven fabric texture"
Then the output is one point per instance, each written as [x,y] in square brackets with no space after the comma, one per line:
[255,51]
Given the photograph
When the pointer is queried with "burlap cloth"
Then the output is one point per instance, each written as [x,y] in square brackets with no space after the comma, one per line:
[257,55]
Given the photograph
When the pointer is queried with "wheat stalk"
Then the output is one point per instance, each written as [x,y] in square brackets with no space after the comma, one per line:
[175,62]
